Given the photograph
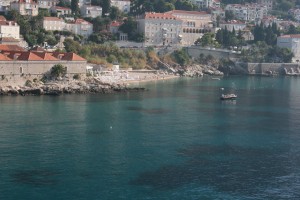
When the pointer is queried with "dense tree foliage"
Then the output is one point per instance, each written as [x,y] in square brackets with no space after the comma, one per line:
[105,4]
[261,52]
[208,39]
[58,70]
[181,57]
[229,38]
[267,34]
[141,6]
[75,7]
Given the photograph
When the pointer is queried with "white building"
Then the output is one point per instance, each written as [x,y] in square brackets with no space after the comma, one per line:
[248,12]
[53,24]
[123,5]
[234,24]
[268,3]
[90,11]
[25,7]
[84,2]
[160,28]
[295,13]
[60,11]
[215,12]
[9,29]
[291,42]
[4,5]
[80,27]
[202,3]
[47,3]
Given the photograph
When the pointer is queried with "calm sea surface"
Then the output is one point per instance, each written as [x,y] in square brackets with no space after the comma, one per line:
[175,141]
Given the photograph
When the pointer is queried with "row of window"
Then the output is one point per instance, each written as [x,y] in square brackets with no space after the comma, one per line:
[195,30]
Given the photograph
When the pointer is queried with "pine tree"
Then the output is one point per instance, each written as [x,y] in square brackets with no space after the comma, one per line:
[75,7]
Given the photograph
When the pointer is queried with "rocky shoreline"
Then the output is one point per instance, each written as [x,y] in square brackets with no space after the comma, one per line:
[55,88]
[93,85]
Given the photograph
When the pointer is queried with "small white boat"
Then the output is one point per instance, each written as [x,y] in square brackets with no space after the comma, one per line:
[228,97]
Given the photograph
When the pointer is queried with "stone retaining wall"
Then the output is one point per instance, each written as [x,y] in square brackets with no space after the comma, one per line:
[271,68]
[36,69]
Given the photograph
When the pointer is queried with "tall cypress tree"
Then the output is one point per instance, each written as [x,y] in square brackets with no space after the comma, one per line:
[75,7]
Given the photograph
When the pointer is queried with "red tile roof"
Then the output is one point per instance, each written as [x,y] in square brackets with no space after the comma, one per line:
[72,57]
[29,56]
[61,8]
[24,1]
[2,18]
[291,36]
[81,21]
[52,19]
[187,12]
[45,55]
[153,15]
[4,57]
[8,23]
[116,24]
[11,47]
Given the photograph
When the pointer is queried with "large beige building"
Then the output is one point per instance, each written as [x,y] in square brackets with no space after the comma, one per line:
[160,28]
[5,4]
[123,5]
[248,12]
[174,27]
[47,3]
[9,29]
[79,26]
[25,7]
[194,24]
[53,24]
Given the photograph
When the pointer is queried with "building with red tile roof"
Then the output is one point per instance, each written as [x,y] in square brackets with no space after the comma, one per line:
[29,56]
[174,27]
[31,64]
[69,56]
[25,7]
[46,55]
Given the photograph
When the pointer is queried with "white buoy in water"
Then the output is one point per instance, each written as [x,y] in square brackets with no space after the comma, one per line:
[222,88]
[110,127]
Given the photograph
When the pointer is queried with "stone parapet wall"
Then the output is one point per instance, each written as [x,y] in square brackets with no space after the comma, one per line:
[18,68]
[195,51]
[271,68]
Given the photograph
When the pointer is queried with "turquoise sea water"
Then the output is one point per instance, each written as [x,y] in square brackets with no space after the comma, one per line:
[175,141]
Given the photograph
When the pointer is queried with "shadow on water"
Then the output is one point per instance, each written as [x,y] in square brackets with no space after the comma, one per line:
[35,177]
[227,168]
[148,111]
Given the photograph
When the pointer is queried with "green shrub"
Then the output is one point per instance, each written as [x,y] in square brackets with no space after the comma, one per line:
[76,77]
[58,70]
